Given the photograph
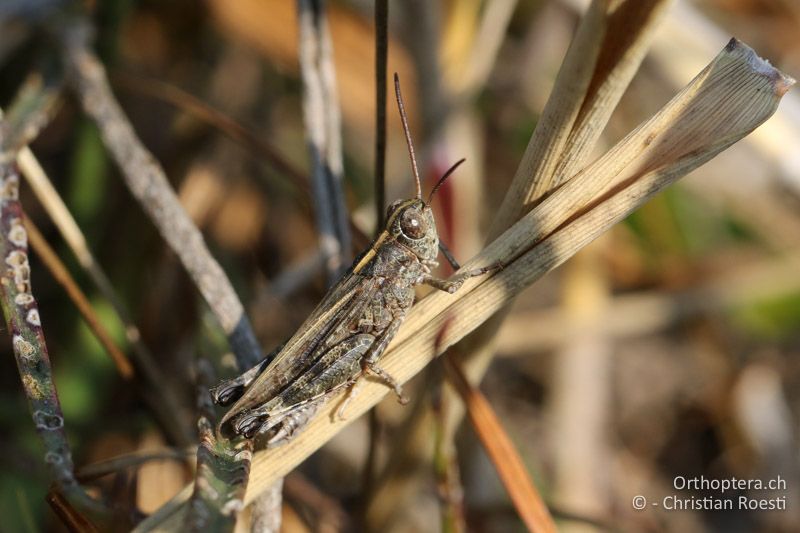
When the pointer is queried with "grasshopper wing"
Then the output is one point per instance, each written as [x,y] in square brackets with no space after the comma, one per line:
[337,367]
[331,319]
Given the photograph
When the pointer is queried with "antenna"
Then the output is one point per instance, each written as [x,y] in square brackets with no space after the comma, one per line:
[444,178]
[403,117]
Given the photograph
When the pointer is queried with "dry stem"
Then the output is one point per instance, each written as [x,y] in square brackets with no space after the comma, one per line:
[323,131]
[381,55]
[502,452]
[147,182]
[63,277]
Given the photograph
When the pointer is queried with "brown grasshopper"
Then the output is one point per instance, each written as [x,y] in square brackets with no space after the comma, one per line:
[345,336]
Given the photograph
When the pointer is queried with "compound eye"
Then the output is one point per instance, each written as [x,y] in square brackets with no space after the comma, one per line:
[413,225]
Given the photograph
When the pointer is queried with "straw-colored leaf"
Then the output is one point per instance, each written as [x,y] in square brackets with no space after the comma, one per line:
[553,128]
[631,28]
[606,52]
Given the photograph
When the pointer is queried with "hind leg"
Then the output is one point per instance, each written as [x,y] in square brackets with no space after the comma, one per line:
[230,390]
[369,361]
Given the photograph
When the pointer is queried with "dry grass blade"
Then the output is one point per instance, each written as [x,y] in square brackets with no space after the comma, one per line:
[130,460]
[147,182]
[502,453]
[630,29]
[555,123]
[69,516]
[605,54]
[59,213]
[208,114]
[731,97]
[63,277]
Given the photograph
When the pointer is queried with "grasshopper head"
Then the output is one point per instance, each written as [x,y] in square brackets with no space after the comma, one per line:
[411,224]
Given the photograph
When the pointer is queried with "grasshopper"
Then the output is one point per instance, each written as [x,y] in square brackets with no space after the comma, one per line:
[345,336]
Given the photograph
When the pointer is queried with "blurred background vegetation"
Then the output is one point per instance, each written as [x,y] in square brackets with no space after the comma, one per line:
[681,327]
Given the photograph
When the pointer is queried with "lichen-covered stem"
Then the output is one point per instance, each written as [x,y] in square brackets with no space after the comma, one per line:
[161,398]
[25,328]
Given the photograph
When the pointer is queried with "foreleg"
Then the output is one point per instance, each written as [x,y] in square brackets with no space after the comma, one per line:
[454,283]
